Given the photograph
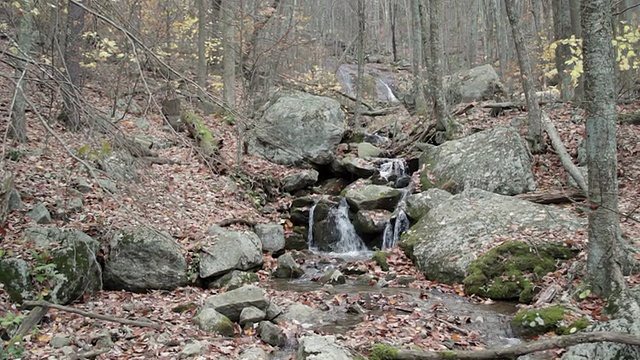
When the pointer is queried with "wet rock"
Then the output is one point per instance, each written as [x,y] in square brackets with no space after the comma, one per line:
[210,320]
[371,221]
[232,302]
[144,259]
[316,347]
[365,279]
[333,277]
[288,268]
[495,160]
[405,279]
[271,333]
[333,186]
[369,197]
[271,236]
[302,314]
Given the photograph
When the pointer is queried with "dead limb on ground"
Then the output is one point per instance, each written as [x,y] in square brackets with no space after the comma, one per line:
[40,308]
[518,350]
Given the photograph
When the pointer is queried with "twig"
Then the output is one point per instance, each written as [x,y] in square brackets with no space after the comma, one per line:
[47,304]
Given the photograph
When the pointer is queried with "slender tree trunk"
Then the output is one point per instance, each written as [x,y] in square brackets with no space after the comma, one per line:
[562,31]
[25,38]
[603,272]
[228,57]
[423,13]
[202,59]
[360,80]
[419,98]
[394,15]
[576,30]
[435,68]
[534,132]
[73,84]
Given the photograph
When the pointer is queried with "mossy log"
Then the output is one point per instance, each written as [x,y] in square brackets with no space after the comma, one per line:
[208,142]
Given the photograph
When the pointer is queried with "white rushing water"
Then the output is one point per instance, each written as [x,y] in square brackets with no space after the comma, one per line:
[349,240]
[396,167]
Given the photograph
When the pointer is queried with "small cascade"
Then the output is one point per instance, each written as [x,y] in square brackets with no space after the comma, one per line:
[349,240]
[393,231]
[394,168]
[310,225]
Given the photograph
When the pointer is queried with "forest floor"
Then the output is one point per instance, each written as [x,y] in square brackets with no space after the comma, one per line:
[186,198]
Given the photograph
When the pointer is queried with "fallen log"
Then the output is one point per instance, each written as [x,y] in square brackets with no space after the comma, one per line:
[562,196]
[510,352]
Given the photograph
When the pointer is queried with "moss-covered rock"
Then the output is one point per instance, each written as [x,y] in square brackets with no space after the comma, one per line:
[380,257]
[510,271]
[532,322]
[383,352]
[16,277]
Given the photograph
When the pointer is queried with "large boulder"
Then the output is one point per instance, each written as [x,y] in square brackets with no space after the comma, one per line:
[495,160]
[15,275]
[271,236]
[297,128]
[231,303]
[143,259]
[445,241]
[299,180]
[477,84]
[421,203]
[229,250]
[77,266]
[370,197]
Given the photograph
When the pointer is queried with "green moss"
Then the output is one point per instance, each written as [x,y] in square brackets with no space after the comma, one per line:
[575,327]
[447,354]
[533,322]
[509,271]
[383,352]
[182,308]
[380,257]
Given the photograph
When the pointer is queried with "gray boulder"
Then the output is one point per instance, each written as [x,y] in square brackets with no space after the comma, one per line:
[210,320]
[371,221]
[495,160]
[303,314]
[477,84]
[40,214]
[192,349]
[15,275]
[367,150]
[144,259]
[251,315]
[77,267]
[369,197]
[271,333]
[119,166]
[355,166]
[297,128]
[317,347]
[234,280]
[445,241]
[229,250]
[15,201]
[271,236]
[420,204]
[254,353]
[299,180]
[288,268]
[231,303]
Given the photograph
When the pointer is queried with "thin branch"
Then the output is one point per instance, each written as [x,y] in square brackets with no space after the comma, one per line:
[46,304]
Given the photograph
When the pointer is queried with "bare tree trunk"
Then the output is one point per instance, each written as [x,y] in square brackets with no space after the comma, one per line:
[73,84]
[435,67]
[360,80]
[576,30]
[603,271]
[202,59]
[562,30]
[394,14]
[419,98]
[229,62]
[18,117]
[534,132]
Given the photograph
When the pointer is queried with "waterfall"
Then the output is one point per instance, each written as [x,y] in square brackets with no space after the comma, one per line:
[349,239]
[393,168]
[310,225]
[393,231]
